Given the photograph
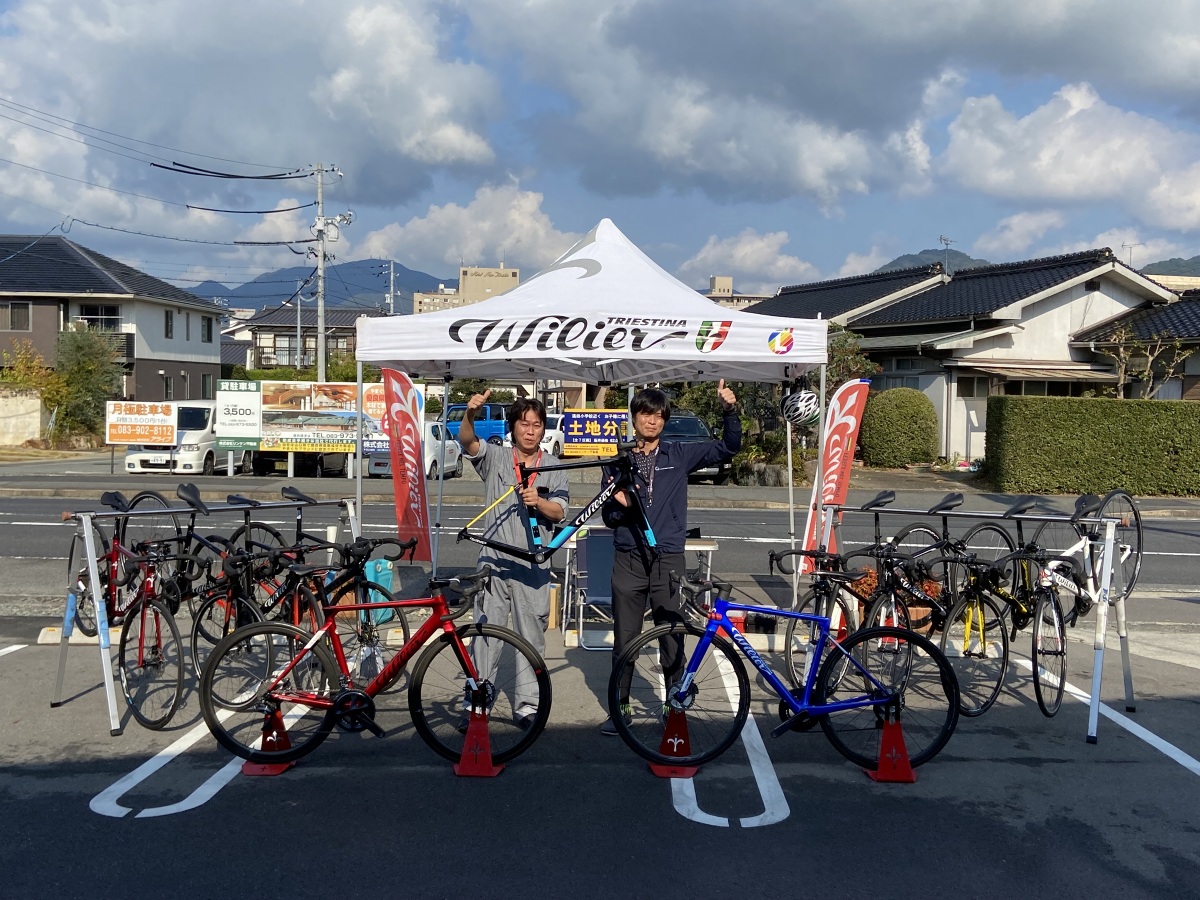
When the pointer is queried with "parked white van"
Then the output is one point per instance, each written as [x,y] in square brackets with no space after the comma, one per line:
[195,449]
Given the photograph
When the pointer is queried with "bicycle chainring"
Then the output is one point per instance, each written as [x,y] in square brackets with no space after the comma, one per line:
[354,710]
[800,721]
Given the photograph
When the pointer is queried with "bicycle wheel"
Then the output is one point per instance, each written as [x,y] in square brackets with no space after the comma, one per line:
[714,709]
[914,538]
[800,634]
[262,537]
[975,642]
[146,529]
[885,609]
[78,578]
[517,689]
[150,662]
[903,663]
[1049,653]
[369,638]
[246,704]
[1119,504]
[989,542]
[221,613]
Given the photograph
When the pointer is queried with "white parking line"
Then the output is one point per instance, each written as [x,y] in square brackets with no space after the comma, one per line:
[13,649]
[1165,747]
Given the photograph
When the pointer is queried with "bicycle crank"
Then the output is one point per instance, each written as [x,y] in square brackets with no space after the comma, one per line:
[355,711]
[799,721]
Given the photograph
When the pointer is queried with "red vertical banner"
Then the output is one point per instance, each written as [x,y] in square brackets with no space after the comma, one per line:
[842,421]
[403,426]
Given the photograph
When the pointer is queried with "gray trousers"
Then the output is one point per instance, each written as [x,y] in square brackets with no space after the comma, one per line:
[518,597]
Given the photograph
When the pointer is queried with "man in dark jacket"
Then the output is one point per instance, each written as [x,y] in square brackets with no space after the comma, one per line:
[641,573]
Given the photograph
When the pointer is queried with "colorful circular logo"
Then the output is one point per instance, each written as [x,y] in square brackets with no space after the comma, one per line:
[780,342]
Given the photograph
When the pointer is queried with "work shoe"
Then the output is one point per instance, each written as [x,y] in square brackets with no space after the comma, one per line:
[610,727]
[523,722]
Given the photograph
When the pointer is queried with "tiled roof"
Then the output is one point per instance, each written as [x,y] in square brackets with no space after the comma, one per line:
[977,293]
[1179,319]
[832,298]
[284,316]
[54,265]
[233,353]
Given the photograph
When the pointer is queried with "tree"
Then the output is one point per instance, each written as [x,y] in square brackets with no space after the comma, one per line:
[1153,361]
[846,360]
[26,368]
[92,374]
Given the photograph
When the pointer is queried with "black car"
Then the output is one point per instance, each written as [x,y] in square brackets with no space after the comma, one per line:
[686,427]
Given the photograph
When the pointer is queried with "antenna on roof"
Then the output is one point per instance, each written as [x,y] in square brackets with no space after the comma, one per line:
[1130,247]
[946,242]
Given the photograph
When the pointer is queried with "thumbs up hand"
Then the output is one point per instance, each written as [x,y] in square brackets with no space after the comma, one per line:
[725,395]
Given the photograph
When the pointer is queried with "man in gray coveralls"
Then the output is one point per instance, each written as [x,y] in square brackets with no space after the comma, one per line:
[518,589]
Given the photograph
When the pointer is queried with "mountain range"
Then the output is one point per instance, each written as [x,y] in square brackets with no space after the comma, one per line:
[362,283]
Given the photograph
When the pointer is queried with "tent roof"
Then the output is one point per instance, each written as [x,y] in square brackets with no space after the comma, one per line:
[602,312]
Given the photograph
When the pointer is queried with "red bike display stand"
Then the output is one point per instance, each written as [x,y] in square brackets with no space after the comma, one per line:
[476,759]
[893,766]
[675,742]
[274,737]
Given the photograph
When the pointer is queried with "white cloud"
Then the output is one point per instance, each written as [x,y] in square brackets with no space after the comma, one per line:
[500,223]
[1013,235]
[1123,242]
[863,263]
[756,262]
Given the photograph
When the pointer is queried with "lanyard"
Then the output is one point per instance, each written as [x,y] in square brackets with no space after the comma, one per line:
[650,469]
[517,468]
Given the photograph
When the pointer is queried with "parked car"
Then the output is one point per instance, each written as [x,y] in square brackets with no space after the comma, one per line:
[685,427]
[195,448]
[490,423]
[553,440]
[379,464]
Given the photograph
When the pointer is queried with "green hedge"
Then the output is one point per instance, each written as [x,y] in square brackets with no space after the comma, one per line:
[1069,445]
[899,426]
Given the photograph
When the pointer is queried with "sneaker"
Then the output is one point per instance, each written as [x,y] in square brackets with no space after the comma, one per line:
[610,727]
[523,722]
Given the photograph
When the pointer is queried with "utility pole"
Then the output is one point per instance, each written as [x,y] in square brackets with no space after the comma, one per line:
[321,229]
[299,335]
[391,288]
[320,273]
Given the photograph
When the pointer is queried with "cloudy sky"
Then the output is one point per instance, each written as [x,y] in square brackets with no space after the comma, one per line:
[772,140]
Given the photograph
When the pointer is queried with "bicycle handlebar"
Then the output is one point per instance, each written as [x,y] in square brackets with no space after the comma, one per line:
[777,557]
[467,587]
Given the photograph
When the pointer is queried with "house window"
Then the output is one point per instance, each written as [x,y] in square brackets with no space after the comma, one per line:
[169,387]
[970,386]
[895,381]
[187,326]
[1034,389]
[14,316]
[907,364]
[168,325]
[100,317]
[206,387]
[206,329]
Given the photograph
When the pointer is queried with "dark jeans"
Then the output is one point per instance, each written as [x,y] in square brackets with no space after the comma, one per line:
[637,581]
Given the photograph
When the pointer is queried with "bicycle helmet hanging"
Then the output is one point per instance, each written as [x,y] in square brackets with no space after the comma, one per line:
[802,408]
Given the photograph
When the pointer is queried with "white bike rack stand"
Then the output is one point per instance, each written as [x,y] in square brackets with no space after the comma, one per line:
[1102,601]
[84,522]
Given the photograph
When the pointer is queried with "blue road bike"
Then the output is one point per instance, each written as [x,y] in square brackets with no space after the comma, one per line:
[679,694]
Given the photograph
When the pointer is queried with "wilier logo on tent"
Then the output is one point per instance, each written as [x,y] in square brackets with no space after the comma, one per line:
[780,342]
[712,335]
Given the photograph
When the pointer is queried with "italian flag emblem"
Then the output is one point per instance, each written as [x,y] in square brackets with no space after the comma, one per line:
[712,335]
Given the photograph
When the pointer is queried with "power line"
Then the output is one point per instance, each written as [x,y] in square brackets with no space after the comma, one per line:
[165,237]
[136,140]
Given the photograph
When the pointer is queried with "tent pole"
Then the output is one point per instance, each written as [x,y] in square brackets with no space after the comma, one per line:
[792,514]
[358,459]
[437,519]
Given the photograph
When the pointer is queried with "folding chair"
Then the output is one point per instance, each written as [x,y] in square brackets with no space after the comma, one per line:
[593,582]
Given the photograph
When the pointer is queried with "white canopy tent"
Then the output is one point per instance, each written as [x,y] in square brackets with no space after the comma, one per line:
[604,313]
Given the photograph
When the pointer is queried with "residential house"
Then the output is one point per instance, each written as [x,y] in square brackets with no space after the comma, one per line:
[1003,329]
[166,338]
[285,336]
